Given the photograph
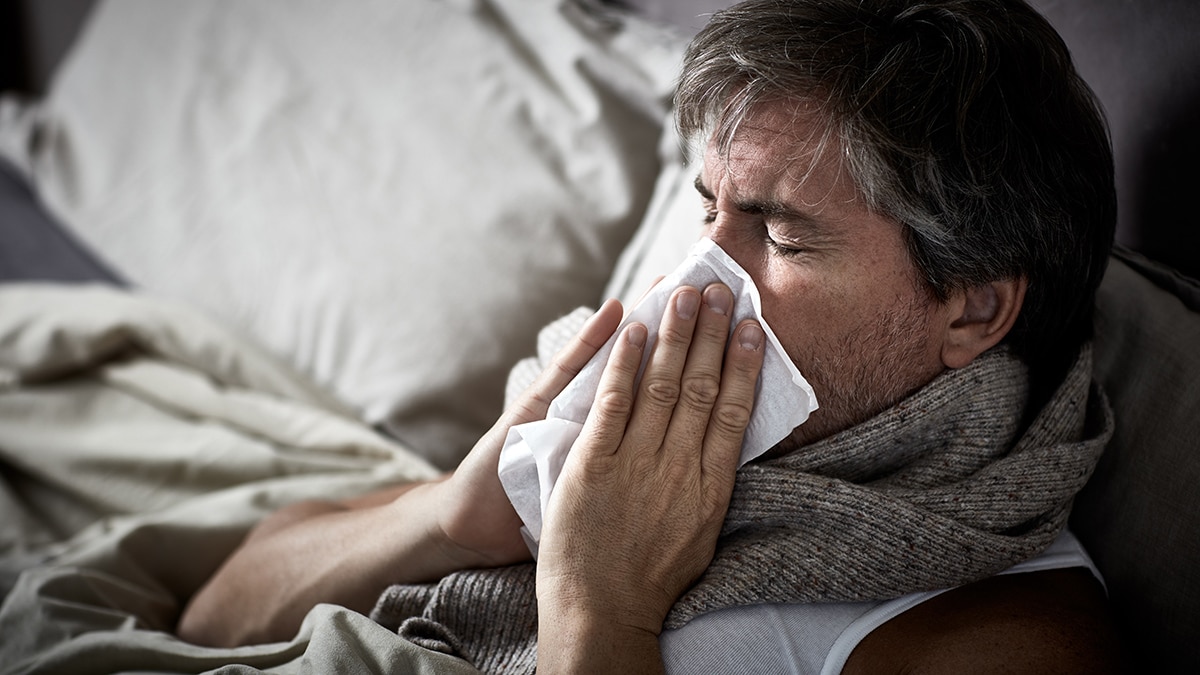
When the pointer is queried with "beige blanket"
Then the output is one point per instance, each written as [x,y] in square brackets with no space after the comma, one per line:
[138,443]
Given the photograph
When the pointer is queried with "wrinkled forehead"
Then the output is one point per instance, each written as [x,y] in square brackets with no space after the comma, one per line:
[798,117]
[787,145]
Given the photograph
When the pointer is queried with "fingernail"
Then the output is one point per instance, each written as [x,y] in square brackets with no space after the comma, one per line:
[719,299]
[636,335]
[751,337]
[686,304]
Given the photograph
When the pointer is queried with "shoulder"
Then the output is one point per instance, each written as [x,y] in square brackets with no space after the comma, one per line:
[1047,621]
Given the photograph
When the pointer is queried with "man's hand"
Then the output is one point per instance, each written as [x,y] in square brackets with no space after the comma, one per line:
[634,518]
[481,527]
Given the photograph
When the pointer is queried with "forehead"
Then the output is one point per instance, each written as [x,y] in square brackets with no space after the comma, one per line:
[786,169]
[782,151]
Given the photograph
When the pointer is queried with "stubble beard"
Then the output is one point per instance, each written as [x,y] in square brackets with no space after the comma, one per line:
[863,374]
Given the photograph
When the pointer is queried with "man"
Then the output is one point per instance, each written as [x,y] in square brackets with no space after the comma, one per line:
[922,193]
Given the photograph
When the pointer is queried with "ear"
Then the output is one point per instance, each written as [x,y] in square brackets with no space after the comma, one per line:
[979,318]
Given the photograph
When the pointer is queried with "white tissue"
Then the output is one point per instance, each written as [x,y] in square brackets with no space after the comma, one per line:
[534,453]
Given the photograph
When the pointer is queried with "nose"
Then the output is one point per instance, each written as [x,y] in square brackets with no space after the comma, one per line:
[736,247]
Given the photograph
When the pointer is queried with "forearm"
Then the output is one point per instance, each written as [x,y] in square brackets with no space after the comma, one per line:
[314,553]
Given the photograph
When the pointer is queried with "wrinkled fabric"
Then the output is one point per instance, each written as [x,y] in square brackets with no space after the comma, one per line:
[139,442]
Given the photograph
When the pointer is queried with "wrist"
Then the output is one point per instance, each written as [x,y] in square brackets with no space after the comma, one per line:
[584,631]
[578,639]
[473,523]
[429,553]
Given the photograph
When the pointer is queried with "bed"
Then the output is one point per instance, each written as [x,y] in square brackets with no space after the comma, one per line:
[261,252]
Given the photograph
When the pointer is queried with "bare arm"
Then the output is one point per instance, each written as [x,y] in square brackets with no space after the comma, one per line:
[313,552]
[1054,621]
[349,552]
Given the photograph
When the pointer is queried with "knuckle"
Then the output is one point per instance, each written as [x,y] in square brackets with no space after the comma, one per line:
[625,364]
[609,416]
[614,404]
[749,365]
[672,336]
[717,331]
[701,390]
[536,401]
[731,419]
[661,392]
[560,369]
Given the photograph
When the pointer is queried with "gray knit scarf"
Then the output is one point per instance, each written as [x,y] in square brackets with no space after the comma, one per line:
[951,485]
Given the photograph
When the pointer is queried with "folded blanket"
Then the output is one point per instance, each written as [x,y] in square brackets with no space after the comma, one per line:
[139,441]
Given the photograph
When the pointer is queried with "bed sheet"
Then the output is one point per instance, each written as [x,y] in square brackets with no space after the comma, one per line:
[139,441]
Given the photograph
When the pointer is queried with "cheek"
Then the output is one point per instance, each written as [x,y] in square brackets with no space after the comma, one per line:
[810,294]
[817,316]
[801,310]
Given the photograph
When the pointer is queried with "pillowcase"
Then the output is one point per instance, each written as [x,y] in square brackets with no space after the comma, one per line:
[674,222]
[391,196]
[671,226]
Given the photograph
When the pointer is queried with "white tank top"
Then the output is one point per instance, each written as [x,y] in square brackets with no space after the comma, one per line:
[810,638]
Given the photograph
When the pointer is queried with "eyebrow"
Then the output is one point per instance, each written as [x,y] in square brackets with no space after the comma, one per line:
[770,208]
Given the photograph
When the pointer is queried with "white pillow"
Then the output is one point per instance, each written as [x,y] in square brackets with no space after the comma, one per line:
[674,222]
[392,196]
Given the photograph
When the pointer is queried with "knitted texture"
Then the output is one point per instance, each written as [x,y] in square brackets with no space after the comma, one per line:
[942,489]
[935,492]
[487,617]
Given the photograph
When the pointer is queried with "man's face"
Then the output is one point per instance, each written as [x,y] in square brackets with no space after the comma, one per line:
[838,286]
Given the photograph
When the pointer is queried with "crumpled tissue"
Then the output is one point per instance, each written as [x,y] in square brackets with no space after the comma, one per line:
[534,453]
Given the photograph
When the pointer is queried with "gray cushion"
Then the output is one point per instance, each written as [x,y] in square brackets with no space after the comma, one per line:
[1139,516]
[33,247]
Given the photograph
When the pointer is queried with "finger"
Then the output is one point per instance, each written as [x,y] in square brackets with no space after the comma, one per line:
[658,392]
[735,404]
[567,363]
[701,381]
[609,416]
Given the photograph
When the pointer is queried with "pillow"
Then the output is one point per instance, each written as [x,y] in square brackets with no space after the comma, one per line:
[674,222]
[392,196]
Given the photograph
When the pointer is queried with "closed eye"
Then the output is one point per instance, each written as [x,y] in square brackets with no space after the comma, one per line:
[766,212]
[783,250]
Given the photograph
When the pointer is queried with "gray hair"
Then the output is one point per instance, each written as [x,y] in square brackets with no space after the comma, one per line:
[962,120]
